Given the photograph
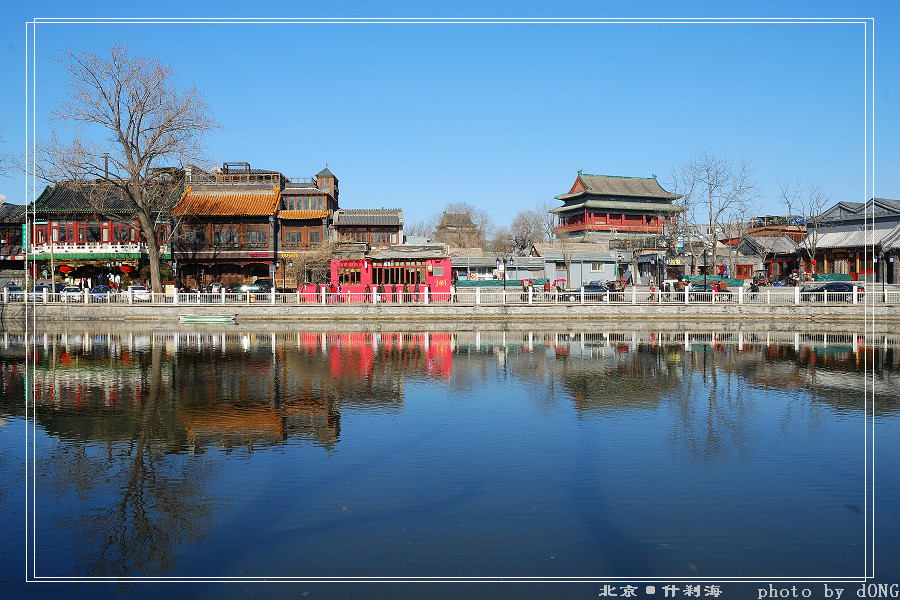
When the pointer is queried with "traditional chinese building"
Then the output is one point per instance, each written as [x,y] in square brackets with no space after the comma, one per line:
[74,236]
[226,225]
[601,207]
[239,224]
[861,240]
[458,231]
[394,267]
[12,253]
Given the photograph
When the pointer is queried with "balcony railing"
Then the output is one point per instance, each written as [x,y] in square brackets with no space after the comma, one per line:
[639,227]
[61,249]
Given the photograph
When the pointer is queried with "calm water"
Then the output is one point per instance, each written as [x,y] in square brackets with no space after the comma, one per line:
[530,454]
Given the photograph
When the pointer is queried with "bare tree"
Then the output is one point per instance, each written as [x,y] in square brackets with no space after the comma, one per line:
[806,205]
[713,186]
[685,233]
[547,221]
[423,227]
[739,222]
[7,161]
[132,122]
[526,229]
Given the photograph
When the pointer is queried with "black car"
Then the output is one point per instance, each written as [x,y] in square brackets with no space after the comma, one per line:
[593,292]
[838,291]
[705,292]
[14,292]
[265,285]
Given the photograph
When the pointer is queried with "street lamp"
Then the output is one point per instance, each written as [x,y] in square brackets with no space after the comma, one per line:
[705,267]
[504,276]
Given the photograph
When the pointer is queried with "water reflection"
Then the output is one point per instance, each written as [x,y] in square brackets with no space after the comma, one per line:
[137,429]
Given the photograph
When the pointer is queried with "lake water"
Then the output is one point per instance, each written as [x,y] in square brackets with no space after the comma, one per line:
[358,457]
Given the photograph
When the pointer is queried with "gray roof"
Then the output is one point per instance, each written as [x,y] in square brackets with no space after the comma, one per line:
[892,240]
[773,245]
[302,188]
[627,187]
[12,213]
[516,263]
[856,239]
[404,252]
[853,211]
[379,217]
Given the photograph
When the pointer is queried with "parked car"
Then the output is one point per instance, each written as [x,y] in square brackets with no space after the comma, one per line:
[234,288]
[100,293]
[252,288]
[214,288]
[138,293]
[839,291]
[37,293]
[705,292]
[14,292]
[593,292]
[72,293]
[265,285]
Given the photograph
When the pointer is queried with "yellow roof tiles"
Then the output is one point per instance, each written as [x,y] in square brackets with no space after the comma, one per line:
[302,214]
[228,202]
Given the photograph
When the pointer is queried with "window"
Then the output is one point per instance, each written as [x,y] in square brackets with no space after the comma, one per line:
[349,276]
[596,267]
[257,239]
[194,239]
[225,239]
[744,271]
[314,238]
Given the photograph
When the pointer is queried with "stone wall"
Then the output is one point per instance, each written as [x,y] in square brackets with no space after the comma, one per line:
[363,313]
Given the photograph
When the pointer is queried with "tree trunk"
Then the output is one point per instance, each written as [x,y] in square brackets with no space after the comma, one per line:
[148,233]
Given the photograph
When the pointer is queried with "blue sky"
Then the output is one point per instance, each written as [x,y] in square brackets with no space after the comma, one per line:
[502,115]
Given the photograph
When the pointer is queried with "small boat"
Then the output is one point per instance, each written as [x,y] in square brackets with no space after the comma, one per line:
[206,318]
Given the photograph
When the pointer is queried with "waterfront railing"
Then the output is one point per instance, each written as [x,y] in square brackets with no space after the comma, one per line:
[470,296]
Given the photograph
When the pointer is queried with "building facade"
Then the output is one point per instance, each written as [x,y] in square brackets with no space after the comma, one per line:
[858,239]
[238,224]
[374,227]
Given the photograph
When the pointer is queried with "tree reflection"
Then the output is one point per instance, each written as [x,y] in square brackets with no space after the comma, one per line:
[139,499]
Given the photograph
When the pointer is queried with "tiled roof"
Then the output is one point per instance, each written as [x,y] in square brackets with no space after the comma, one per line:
[384,217]
[12,213]
[852,239]
[851,211]
[892,240]
[228,202]
[65,199]
[302,214]
[630,187]
[405,252]
[773,245]
[301,189]
[543,249]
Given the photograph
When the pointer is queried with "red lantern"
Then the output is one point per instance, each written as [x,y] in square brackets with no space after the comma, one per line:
[66,269]
[126,269]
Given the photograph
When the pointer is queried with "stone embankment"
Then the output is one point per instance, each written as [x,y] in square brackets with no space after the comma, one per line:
[459,313]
